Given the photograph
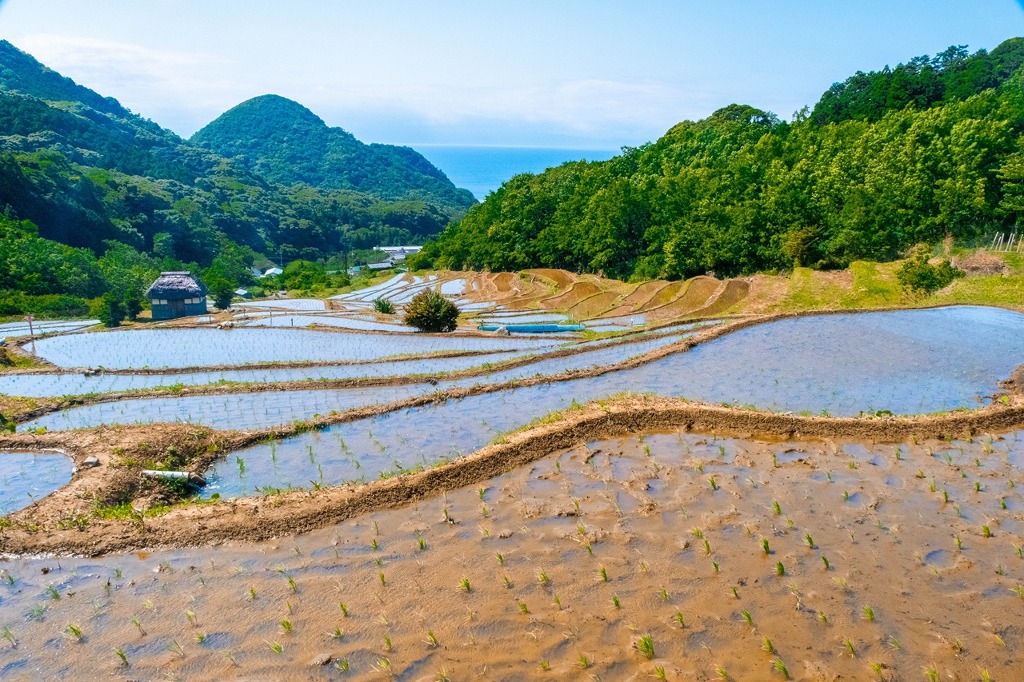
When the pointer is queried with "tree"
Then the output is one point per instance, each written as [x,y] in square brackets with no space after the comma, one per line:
[429,311]
[921,277]
[110,311]
[221,289]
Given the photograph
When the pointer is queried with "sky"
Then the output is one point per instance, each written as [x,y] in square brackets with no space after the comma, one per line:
[594,74]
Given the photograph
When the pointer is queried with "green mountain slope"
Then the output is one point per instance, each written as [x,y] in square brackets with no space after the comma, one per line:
[85,170]
[741,192]
[287,143]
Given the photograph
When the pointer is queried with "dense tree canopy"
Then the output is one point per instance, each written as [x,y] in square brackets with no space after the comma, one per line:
[741,191]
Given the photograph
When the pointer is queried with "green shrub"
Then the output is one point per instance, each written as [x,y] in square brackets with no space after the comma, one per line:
[384,306]
[429,311]
[920,276]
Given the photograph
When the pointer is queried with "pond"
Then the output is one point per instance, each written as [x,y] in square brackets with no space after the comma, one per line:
[159,348]
[27,476]
[906,362]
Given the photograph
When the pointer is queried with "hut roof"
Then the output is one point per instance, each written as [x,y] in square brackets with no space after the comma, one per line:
[176,285]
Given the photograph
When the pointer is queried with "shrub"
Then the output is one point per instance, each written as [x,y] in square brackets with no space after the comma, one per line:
[920,276]
[429,311]
[384,306]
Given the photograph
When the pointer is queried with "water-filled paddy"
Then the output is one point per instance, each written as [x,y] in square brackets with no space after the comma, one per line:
[40,385]
[227,411]
[905,362]
[580,554]
[156,348]
[44,327]
[330,321]
[27,476]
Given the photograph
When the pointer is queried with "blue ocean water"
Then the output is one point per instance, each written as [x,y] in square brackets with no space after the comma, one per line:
[481,170]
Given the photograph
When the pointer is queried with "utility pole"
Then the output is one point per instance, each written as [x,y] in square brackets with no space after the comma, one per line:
[31,332]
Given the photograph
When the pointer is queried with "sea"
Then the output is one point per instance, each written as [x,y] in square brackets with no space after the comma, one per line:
[482,170]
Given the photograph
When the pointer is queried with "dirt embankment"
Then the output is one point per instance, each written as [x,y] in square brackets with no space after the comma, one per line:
[44,527]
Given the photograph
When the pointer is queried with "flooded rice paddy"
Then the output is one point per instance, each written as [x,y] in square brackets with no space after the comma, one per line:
[28,476]
[670,554]
[168,348]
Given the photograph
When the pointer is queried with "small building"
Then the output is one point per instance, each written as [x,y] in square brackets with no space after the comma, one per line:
[177,294]
[243,293]
[272,272]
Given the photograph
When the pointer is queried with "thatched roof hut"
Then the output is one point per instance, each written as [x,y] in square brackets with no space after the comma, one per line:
[177,294]
[176,285]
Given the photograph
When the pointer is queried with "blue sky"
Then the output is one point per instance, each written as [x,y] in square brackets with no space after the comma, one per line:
[595,74]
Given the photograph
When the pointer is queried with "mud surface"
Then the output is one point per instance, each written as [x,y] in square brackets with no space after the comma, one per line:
[558,567]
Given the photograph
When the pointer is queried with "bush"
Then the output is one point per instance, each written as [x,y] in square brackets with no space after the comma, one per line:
[429,311]
[384,306]
[921,277]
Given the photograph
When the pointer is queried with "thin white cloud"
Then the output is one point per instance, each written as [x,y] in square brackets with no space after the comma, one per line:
[143,78]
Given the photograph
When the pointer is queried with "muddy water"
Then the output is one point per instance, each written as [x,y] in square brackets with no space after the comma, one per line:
[27,476]
[568,562]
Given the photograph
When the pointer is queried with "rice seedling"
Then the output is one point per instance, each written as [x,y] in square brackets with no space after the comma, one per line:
[192,619]
[986,532]
[714,484]
[735,592]
[931,673]
[986,676]
[276,647]
[780,667]
[714,564]
[894,643]
[664,595]
[747,617]
[824,560]
[823,617]
[508,581]
[383,581]
[1002,503]
[338,634]
[959,543]
[707,547]
[421,543]
[75,631]
[138,626]
[374,545]
[780,570]
[678,618]
[722,672]
[543,578]
[387,643]
[8,635]
[776,507]
[53,593]
[36,612]
[286,626]
[121,655]
[200,637]
[584,662]
[344,608]
[659,672]
[765,546]
[645,645]
[877,669]
[869,614]
[464,585]
[523,609]
[1018,590]
[545,665]
[557,602]
[698,533]
[615,601]
[850,648]
[589,548]
[846,495]
[604,574]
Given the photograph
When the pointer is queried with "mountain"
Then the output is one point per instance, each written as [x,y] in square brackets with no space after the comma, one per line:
[86,171]
[286,143]
[742,191]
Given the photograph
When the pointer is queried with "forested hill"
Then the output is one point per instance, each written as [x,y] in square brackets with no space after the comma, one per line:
[285,142]
[88,172]
[742,191]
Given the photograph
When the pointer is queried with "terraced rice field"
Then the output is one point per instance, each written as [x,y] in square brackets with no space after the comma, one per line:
[472,534]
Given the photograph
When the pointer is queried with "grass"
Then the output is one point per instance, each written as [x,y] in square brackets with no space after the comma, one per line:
[645,645]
